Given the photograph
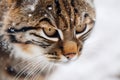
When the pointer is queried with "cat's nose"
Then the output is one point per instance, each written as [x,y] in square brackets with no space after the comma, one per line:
[69,55]
[70,49]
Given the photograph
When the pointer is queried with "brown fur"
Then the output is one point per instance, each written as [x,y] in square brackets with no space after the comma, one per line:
[65,16]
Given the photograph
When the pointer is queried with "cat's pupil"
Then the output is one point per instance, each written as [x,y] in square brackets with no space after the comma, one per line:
[50,32]
[49,29]
[81,28]
[86,15]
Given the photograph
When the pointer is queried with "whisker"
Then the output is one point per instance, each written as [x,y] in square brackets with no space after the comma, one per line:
[41,70]
[26,59]
[31,72]
[25,68]
[37,70]
[49,70]
[34,69]
[22,71]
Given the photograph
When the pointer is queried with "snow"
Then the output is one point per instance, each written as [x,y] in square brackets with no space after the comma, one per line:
[50,8]
[30,15]
[45,15]
[101,54]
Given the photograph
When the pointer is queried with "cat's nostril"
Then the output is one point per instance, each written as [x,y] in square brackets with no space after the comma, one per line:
[69,55]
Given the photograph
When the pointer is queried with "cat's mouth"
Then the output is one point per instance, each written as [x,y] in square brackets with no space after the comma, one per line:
[62,59]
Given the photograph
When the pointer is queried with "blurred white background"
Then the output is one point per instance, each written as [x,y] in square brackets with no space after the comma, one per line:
[101,54]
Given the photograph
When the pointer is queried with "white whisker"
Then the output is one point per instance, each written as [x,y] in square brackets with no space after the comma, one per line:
[25,68]
[31,71]
[37,70]
[45,66]
[26,59]
[34,69]
[49,70]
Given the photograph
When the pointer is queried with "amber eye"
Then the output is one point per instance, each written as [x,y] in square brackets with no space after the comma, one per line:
[81,28]
[50,32]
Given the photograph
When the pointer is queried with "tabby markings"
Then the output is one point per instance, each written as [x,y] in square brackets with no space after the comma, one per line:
[58,6]
[24,29]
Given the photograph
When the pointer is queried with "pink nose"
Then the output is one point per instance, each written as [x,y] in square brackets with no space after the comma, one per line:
[69,55]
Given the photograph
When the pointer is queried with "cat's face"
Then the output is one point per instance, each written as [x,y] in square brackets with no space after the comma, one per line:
[46,29]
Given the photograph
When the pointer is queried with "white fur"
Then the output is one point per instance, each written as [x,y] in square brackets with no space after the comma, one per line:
[61,34]
[90,2]
[63,59]
[18,52]
[32,6]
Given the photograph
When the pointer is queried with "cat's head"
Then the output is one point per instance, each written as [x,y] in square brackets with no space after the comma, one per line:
[53,30]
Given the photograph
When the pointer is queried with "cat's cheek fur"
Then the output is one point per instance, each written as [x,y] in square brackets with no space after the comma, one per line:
[26,51]
[91,3]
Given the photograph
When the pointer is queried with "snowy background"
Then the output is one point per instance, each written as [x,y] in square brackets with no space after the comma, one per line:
[101,55]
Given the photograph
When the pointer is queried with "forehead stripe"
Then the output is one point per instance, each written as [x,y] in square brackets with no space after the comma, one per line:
[58,6]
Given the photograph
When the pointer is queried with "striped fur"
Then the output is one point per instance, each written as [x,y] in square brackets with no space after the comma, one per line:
[37,34]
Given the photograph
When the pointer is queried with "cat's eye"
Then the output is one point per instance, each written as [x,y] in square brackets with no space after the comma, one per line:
[81,28]
[50,32]
[86,15]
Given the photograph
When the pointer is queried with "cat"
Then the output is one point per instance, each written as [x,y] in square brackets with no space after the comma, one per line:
[38,35]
